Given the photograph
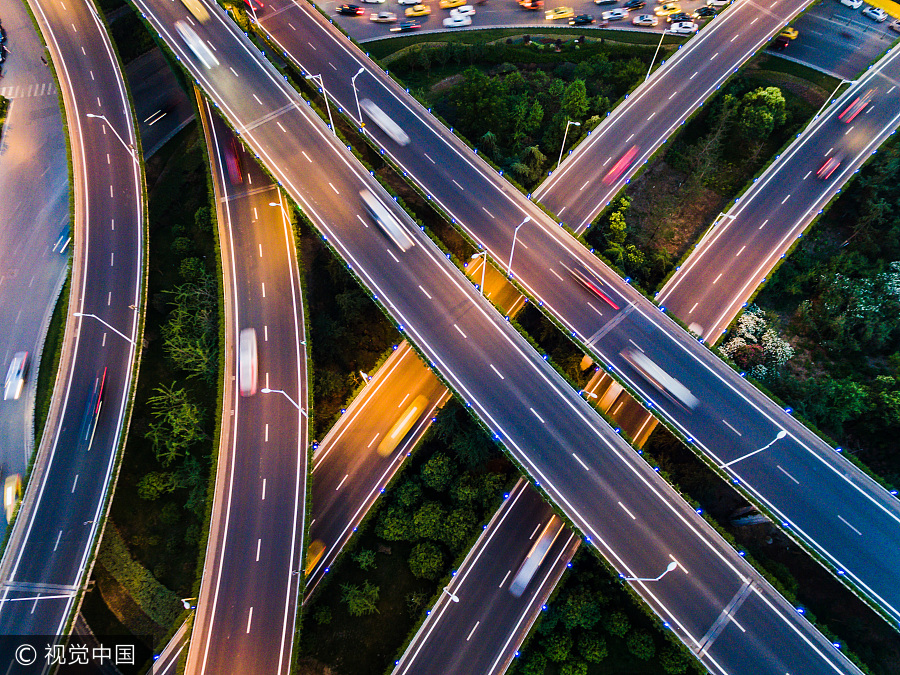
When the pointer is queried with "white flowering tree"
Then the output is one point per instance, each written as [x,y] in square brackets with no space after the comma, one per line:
[755,346]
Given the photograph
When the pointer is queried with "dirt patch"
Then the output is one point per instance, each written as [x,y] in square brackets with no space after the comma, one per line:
[447,83]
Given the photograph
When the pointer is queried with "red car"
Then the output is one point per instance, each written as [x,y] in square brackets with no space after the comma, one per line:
[591,283]
[859,103]
[621,166]
[255,5]
[829,167]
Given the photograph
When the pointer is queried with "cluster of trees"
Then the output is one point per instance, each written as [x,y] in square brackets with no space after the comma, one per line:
[518,117]
[348,331]
[439,509]
[755,346]
[591,617]
[840,289]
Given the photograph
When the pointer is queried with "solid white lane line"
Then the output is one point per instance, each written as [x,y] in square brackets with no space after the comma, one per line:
[536,415]
[425,292]
[578,459]
[249,619]
[787,474]
[374,438]
[626,510]
[498,372]
[341,483]
[473,630]
[725,422]
[506,576]
[258,543]
[843,520]
[460,331]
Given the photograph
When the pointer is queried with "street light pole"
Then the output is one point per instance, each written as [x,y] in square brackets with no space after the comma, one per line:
[112,328]
[128,147]
[483,256]
[671,566]
[446,590]
[577,124]
[828,100]
[356,96]
[266,390]
[513,248]
[325,94]
[656,52]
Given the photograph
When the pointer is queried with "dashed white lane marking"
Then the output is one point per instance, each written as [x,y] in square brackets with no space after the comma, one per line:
[109,299]
[258,544]
[264,289]
[586,183]
[249,619]
[786,198]
[257,99]
[285,131]
[843,520]
[233,71]
[457,185]
[58,536]
[739,252]
[267,433]
[341,483]
[429,158]
[75,482]
[498,372]
[374,438]
[717,278]
[425,292]
[626,510]
[731,427]
[264,490]
[312,45]
[553,272]
[488,212]
[595,309]
[505,577]
[391,253]
[693,76]
[460,331]
[691,310]
[533,412]
[334,188]
[403,401]
[787,474]
[763,224]
[472,632]
[293,27]
[578,459]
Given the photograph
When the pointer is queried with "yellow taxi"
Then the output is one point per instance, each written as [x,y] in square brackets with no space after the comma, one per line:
[313,555]
[450,4]
[418,10]
[12,493]
[790,33]
[559,13]
[667,9]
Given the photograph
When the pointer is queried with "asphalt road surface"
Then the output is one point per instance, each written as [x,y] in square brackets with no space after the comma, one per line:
[46,558]
[33,153]
[479,633]
[723,415]
[583,465]
[738,253]
[246,612]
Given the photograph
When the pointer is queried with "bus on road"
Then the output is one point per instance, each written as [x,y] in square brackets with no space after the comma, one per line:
[402,427]
[536,556]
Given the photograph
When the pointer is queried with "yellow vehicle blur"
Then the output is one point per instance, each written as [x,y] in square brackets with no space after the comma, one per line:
[313,555]
[402,426]
[450,4]
[559,13]
[790,33]
[418,10]
[667,9]
[12,493]
[196,8]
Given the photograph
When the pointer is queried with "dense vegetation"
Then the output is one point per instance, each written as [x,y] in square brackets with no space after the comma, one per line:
[837,299]
[663,211]
[388,576]
[514,105]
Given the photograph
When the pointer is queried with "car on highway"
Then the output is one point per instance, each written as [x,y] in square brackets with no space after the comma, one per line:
[418,10]
[465,10]
[535,556]
[247,362]
[406,26]
[407,2]
[829,167]
[402,426]
[620,166]
[531,4]
[780,43]
[590,282]
[374,2]
[384,121]
[386,221]
[313,555]
[350,10]
[876,14]
[196,45]
[383,17]
[450,4]
[790,33]
[12,493]
[852,4]
[895,26]
[718,3]
[605,2]
[457,21]
[198,9]
[659,378]
[679,17]
[581,20]
[857,105]
[15,376]
[684,28]
[559,13]
[635,4]
[667,9]
[254,5]
[94,406]
[233,165]
[703,13]
[614,14]
[645,20]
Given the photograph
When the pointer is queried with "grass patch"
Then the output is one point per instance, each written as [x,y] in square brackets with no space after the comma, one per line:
[52,351]
[429,517]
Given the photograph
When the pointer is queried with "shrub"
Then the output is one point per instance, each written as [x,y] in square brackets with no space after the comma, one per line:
[426,560]
[641,645]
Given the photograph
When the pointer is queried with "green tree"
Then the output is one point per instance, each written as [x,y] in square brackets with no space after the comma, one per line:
[426,560]
[574,668]
[360,600]
[177,425]
[673,660]
[592,647]
[458,528]
[191,269]
[557,647]
[323,616]
[535,665]
[428,522]
[575,103]
[617,623]
[155,484]
[762,111]
[409,494]
[181,246]
[365,558]
[581,609]
[438,472]
[641,645]
[394,524]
